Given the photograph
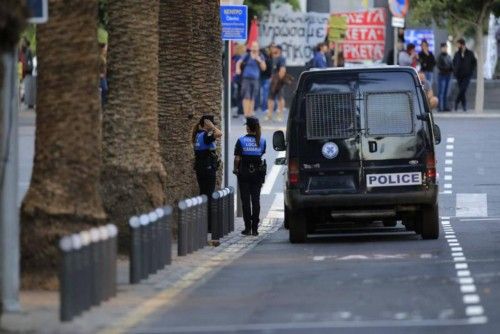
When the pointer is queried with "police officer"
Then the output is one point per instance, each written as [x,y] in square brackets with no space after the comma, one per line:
[251,171]
[206,162]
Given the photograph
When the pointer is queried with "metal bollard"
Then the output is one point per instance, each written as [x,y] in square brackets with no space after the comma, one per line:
[112,249]
[205,218]
[95,272]
[102,287]
[135,250]
[199,222]
[145,259]
[220,215]
[224,212]
[214,215]
[231,209]
[167,230]
[182,230]
[153,237]
[78,270]
[189,225]
[85,288]
[160,240]
[67,278]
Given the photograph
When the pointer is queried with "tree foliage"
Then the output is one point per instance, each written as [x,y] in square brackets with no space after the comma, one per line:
[257,7]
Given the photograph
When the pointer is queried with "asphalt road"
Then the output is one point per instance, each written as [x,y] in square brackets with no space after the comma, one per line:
[369,282]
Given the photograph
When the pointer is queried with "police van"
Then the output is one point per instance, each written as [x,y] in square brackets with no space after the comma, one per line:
[360,148]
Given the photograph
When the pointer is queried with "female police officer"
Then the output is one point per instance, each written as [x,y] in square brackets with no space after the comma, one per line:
[251,172]
[206,163]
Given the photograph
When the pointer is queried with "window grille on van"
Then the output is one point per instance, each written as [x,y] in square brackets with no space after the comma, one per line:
[330,116]
[389,113]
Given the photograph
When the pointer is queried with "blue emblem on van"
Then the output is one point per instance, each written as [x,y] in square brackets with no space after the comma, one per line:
[330,150]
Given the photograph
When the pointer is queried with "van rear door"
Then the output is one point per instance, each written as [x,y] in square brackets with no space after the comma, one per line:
[394,140]
[329,147]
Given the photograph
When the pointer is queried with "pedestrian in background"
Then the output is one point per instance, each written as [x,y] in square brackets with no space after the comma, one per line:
[206,163]
[319,59]
[408,57]
[236,98]
[432,101]
[464,65]
[278,81]
[265,78]
[249,68]
[427,61]
[251,172]
[445,69]
[29,84]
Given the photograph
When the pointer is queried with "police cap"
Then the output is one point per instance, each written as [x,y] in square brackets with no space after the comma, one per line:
[252,121]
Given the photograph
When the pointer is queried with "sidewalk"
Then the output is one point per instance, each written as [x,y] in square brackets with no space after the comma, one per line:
[134,303]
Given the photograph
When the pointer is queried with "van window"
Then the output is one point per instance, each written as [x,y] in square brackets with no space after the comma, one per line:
[389,113]
[330,116]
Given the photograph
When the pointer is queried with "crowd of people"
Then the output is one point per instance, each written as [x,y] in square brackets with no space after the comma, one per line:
[462,66]
[27,73]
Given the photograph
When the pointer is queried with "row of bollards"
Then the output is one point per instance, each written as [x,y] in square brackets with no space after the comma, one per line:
[88,270]
[151,243]
[192,225]
[222,213]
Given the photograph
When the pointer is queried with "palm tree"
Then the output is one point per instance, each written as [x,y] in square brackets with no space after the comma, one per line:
[63,196]
[189,84]
[133,177]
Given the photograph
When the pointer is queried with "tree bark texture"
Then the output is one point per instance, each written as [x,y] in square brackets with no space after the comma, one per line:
[133,177]
[176,114]
[63,196]
[189,85]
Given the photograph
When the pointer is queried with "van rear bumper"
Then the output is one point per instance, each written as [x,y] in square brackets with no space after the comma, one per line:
[295,200]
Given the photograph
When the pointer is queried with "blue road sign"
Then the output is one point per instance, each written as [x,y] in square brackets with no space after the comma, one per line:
[399,8]
[39,11]
[234,20]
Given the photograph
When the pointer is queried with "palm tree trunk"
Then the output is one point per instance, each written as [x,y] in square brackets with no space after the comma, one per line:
[133,176]
[189,85]
[63,196]
[176,105]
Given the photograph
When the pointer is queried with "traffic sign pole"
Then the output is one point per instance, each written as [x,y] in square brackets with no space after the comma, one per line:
[399,9]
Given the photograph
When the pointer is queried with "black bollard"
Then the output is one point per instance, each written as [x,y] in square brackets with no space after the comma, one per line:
[214,215]
[102,287]
[95,272]
[182,229]
[205,213]
[145,244]
[135,250]
[153,219]
[66,279]
[77,278]
[159,231]
[190,225]
[231,209]
[197,217]
[85,289]
[167,223]
[113,250]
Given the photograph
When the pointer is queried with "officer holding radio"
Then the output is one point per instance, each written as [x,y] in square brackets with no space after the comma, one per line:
[206,162]
[251,172]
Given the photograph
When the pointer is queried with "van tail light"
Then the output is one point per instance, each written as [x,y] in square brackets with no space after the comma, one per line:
[431,167]
[293,172]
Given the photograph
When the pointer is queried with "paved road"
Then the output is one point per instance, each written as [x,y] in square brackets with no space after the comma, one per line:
[374,283]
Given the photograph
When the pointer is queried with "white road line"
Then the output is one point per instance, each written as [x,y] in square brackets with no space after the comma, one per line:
[463,273]
[479,219]
[471,299]
[448,177]
[448,186]
[466,280]
[450,147]
[449,154]
[472,205]
[459,259]
[456,249]
[453,244]
[450,140]
[469,288]
[474,310]
[273,175]
[448,162]
[457,254]
[448,169]
[461,266]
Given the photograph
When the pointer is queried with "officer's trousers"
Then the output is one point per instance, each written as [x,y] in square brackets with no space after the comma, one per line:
[206,180]
[250,202]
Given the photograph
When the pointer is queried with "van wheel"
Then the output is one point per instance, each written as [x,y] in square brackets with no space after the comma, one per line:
[285,220]
[429,222]
[298,226]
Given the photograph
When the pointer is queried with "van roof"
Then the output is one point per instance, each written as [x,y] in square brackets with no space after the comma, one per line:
[360,68]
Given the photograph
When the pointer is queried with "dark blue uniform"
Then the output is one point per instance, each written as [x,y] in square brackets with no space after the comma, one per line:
[206,162]
[251,174]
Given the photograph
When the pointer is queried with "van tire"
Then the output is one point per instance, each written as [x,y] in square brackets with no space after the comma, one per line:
[286,218]
[429,222]
[298,226]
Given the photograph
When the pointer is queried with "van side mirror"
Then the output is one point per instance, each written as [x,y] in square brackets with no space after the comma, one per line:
[437,134]
[279,141]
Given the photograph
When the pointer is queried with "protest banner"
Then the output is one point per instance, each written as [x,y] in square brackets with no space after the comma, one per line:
[298,33]
[364,36]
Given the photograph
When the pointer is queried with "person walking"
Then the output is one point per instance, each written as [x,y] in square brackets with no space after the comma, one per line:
[249,67]
[265,79]
[204,135]
[277,83]
[445,69]
[464,65]
[427,62]
[250,170]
